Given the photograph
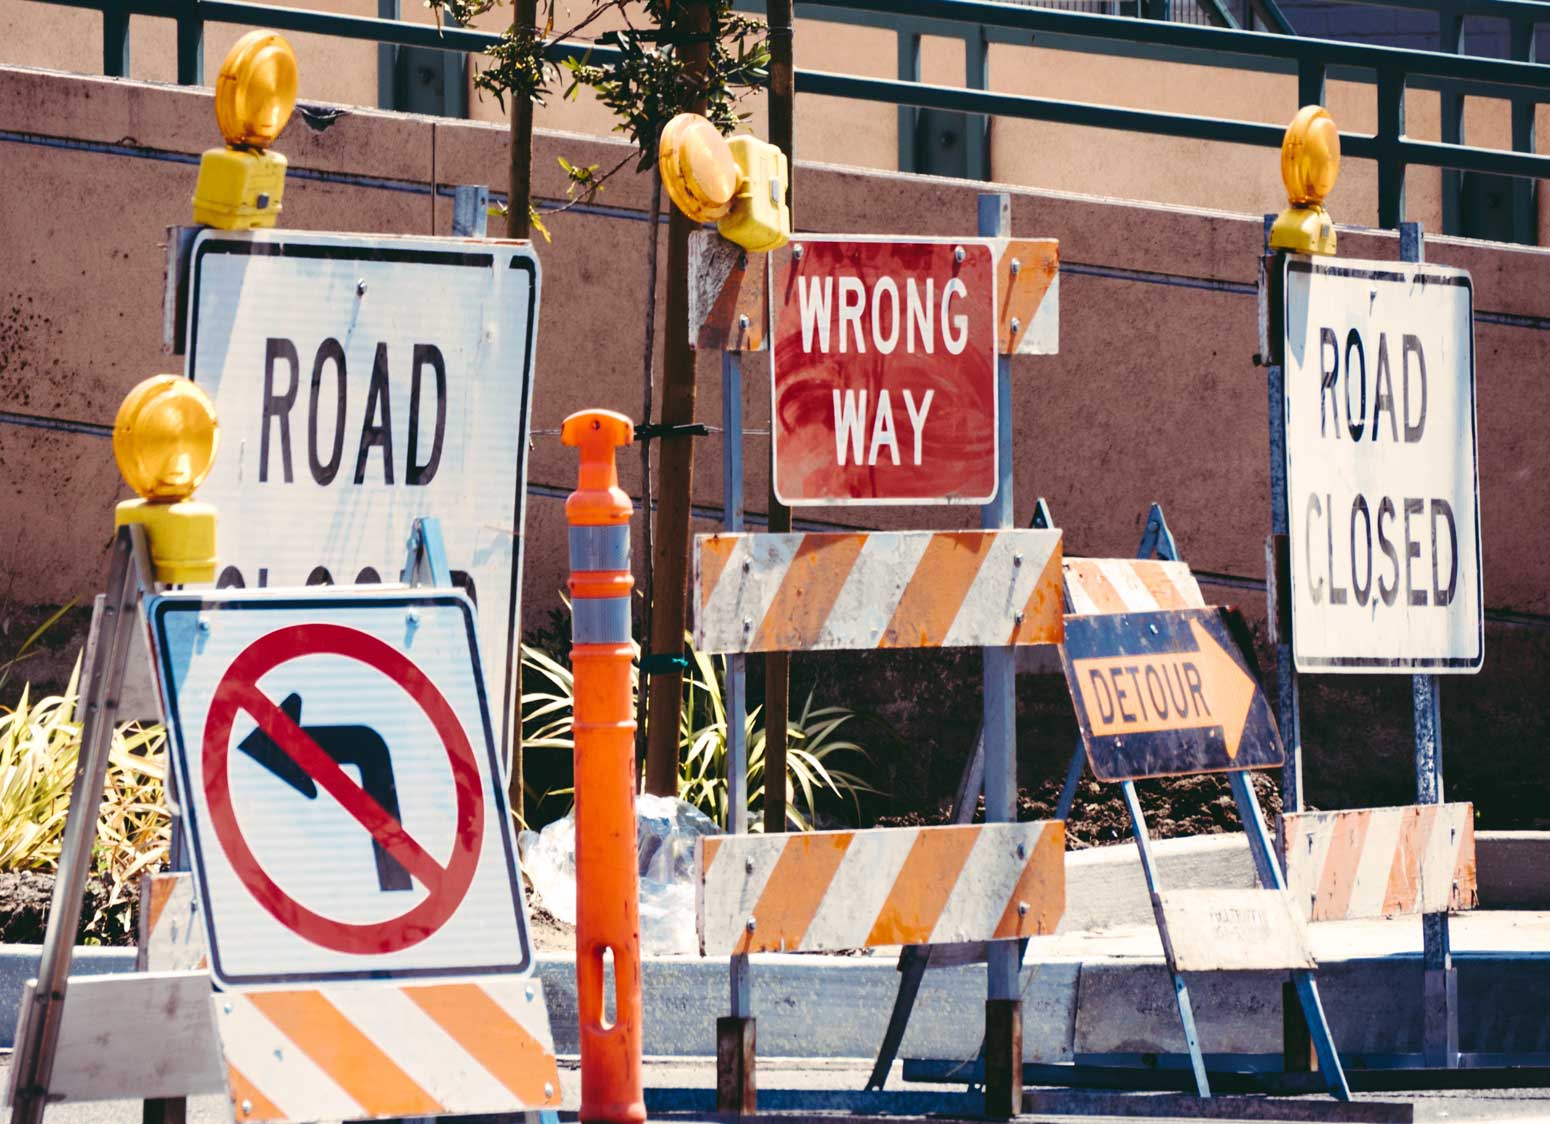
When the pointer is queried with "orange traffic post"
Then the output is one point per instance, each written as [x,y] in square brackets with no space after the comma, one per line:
[607,881]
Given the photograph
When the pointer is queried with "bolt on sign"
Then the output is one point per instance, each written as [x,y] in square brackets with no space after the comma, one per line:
[1382,467]
[884,387]
[363,382]
[339,784]
[1166,693]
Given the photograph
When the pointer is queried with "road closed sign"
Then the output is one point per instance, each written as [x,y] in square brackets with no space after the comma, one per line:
[362,382]
[1382,467]
[338,781]
[885,372]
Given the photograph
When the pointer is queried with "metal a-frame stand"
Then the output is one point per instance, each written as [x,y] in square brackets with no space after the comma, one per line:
[1157,541]
[129,575]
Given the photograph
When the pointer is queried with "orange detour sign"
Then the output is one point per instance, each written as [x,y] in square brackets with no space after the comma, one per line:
[1159,694]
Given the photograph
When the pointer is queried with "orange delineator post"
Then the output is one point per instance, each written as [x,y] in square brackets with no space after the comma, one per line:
[607,880]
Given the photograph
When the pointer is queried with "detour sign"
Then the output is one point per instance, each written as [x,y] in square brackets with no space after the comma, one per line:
[1160,694]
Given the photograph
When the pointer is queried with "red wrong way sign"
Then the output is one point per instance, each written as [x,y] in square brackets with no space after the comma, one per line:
[884,388]
[339,783]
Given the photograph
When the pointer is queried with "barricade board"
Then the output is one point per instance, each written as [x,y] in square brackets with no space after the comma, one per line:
[305,873]
[1233,931]
[885,886]
[1163,694]
[1381,862]
[902,589]
[355,1051]
[363,381]
[1129,585]
[1382,475]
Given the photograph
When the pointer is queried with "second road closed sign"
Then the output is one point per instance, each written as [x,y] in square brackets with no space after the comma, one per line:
[1382,476]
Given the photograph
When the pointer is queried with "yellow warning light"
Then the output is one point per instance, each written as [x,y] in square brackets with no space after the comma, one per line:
[164,438]
[256,90]
[240,186]
[741,183]
[1310,164]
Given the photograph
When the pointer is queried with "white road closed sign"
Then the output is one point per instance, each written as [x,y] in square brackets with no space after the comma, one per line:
[361,382]
[1382,467]
[339,785]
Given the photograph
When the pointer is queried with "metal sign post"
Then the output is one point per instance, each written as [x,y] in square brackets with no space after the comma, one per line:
[1439,1000]
[1003,962]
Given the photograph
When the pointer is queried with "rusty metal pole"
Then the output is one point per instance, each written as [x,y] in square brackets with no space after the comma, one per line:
[675,471]
[777,665]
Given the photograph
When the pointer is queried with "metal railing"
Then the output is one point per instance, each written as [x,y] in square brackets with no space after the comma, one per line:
[1392,70]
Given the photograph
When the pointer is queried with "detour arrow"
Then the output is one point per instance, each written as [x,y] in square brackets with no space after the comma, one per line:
[1160,694]
[1168,691]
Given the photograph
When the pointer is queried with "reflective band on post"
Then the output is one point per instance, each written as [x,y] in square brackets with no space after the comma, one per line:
[600,620]
[600,548]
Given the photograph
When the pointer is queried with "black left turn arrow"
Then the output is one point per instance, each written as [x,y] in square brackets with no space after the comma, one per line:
[358,746]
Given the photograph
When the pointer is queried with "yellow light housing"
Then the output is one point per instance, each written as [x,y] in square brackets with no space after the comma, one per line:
[241,186]
[255,91]
[741,183]
[164,439]
[1310,164]
[697,167]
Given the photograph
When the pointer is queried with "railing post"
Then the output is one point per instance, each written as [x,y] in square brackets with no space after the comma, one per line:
[115,40]
[909,71]
[1310,82]
[387,60]
[1391,164]
[976,126]
[191,44]
[1525,227]
[1450,38]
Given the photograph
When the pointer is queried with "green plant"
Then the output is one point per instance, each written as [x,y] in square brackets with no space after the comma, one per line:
[646,84]
[702,772]
[40,743]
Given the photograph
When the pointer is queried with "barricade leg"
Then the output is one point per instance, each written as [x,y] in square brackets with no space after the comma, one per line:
[607,880]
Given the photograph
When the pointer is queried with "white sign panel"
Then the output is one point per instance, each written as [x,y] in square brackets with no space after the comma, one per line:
[1382,475]
[339,785]
[361,382]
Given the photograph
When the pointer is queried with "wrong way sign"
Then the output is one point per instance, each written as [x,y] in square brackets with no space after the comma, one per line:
[337,772]
[884,387]
[362,382]
[1382,467]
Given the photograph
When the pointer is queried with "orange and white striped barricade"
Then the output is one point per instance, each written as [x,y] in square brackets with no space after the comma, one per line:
[997,296]
[908,589]
[1381,862]
[1416,859]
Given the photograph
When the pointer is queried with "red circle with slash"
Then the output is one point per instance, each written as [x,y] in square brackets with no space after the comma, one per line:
[446,886]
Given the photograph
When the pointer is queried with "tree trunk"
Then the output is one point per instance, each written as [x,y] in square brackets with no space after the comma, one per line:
[675,472]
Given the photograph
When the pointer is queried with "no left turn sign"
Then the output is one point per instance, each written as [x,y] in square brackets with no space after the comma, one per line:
[338,776]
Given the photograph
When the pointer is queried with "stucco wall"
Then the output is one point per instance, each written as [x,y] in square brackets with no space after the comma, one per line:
[1153,396]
